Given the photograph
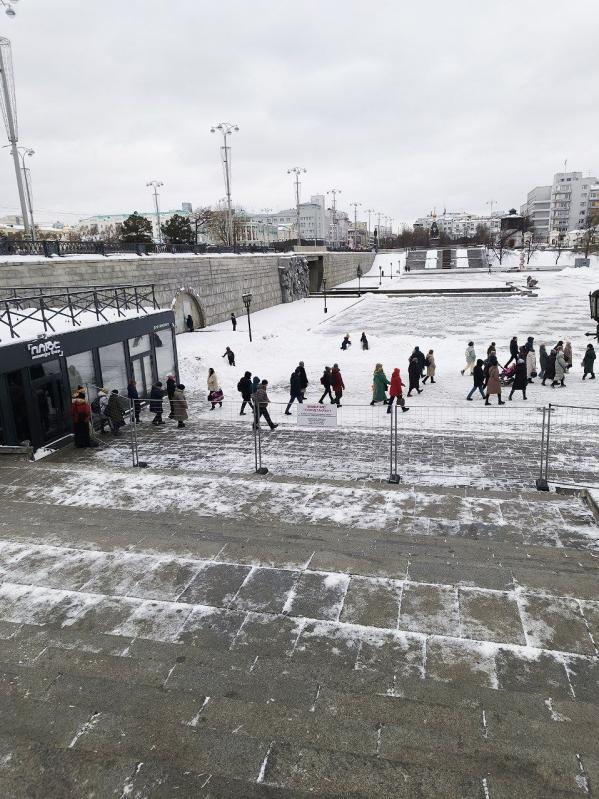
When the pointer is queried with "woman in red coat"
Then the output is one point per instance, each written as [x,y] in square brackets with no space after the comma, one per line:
[81,416]
[395,392]
[337,384]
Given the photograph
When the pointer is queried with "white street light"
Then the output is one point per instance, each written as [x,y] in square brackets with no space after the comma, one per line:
[23,151]
[334,192]
[9,10]
[156,184]
[227,129]
[297,171]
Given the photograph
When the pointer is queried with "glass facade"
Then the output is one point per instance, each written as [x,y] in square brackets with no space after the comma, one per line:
[112,363]
[80,368]
[165,353]
[139,344]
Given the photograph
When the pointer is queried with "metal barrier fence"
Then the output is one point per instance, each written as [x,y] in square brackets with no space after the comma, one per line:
[569,453]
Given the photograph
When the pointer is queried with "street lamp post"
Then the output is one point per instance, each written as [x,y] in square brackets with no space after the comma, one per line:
[156,184]
[334,192]
[27,176]
[355,205]
[391,269]
[324,291]
[267,211]
[380,275]
[227,129]
[297,171]
[9,112]
[9,10]
[359,274]
[247,301]
[369,211]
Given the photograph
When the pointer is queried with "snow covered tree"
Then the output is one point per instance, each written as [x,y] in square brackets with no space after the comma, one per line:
[136,228]
[177,230]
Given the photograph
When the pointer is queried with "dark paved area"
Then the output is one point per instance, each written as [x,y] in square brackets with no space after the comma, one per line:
[150,654]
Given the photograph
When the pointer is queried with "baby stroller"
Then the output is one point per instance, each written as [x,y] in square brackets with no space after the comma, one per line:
[506,378]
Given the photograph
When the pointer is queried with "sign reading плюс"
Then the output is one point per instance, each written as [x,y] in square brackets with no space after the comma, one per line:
[317,415]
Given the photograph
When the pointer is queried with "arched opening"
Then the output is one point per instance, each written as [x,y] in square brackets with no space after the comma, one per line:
[316,269]
[185,303]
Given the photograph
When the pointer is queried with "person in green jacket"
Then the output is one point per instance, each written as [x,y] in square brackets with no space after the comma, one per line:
[379,385]
[588,362]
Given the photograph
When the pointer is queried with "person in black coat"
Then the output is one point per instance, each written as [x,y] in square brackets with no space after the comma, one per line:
[133,394]
[364,341]
[245,389]
[550,370]
[520,378]
[414,372]
[326,381]
[234,322]
[421,358]
[513,351]
[189,323]
[303,377]
[229,355]
[478,376]
[156,395]
[171,386]
[295,390]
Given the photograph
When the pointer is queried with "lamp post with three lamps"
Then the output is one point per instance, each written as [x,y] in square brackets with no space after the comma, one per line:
[227,129]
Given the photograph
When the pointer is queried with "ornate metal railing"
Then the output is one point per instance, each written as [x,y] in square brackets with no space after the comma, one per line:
[45,306]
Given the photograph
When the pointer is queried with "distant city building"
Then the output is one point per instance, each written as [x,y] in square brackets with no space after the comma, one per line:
[102,224]
[458,224]
[538,210]
[566,205]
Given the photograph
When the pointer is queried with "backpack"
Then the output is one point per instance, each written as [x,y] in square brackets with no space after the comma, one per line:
[95,406]
[239,387]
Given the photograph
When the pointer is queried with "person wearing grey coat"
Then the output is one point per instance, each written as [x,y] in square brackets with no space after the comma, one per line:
[470,358]
[561,367]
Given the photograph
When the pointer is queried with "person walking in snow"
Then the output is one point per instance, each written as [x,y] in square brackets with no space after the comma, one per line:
[549,373]
[491,349]
[520,378]
[414,376]
[295,390]
[568,355]
[325,382]
[588,362]
[234,322]
[420,358]
[364,341]
[470,358]
[430,367]
[379,385]
[531,364]
[303,377]
[255,384]
[561,367]
[156,395]
[337,384]
[395,392]
[133,395]
[215,392]
[346,342]
[493,384]
[478,376]
[230,355]
[114,411]
[171,385]
[514,349]
[245,389]
[180,404]
[262,403]
[543,358]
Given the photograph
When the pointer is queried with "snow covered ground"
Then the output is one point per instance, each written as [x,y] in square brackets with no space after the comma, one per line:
[286,334]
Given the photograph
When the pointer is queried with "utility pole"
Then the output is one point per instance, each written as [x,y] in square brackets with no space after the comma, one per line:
[369,211]
[27,175]
[491,203]
[156,184]
[297,171]
[334,192]
[9,108]
[227,128]
[355,205]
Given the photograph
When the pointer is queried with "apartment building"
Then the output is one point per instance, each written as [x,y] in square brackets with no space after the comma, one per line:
[537,209]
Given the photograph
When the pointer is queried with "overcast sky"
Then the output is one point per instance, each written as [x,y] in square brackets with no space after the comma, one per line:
[403,106]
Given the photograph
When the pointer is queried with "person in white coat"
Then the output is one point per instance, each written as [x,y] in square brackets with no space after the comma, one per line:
[215,392]
[470,358]
[531,365]
[561,367]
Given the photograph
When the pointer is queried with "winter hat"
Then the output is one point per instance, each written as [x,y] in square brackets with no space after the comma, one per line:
[248,374]
[114,391]
[181,387]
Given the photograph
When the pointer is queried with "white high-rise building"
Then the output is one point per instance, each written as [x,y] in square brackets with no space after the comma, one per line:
[538,210]
[570,197]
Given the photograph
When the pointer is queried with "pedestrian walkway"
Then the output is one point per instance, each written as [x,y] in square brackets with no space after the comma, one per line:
[439,643]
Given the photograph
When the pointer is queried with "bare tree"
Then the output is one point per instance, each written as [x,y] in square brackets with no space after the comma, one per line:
[591,232]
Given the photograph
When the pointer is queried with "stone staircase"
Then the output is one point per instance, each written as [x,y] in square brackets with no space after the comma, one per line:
[449,652]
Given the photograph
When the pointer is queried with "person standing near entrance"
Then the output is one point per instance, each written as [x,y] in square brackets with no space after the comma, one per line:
[180,404]
[81,416]
[171,385]
[114,411]
[156,396]
[189,323]
[234,322]
[133,394]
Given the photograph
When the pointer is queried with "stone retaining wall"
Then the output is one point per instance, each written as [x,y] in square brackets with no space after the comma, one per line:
[211,286]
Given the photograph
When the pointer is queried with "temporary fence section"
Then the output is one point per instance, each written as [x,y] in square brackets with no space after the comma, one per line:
[569,449]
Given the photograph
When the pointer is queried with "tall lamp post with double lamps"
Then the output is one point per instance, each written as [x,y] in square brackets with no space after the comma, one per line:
[156,184]
[227,129]
[297,171]
[247,301]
